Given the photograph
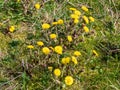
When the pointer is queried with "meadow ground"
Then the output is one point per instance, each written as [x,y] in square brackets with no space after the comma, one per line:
[59,45]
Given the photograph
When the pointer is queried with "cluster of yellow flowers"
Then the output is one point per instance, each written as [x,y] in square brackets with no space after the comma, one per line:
[47,26]
[76,16]
[60,21]
[66,60]
[68,79]
[46,50]
[58,49]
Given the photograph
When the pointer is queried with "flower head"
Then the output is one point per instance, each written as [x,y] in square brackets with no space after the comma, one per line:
[76,12]
[86,29]
[68,80]
[58,49]
[74,16]
[40,43]
[73,9]
[77,53]
[45,26]
[69,38]
[95,53]
[76,21]
[53,36]
[54,23]
[57,72]
[85,19]
[12,28]
[91,19]
[84,8]
[65,60]
[37,6]
[74,60]
[30,46]
[60,21]
[46,50]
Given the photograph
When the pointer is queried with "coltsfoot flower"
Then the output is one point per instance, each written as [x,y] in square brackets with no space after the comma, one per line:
[74,16]
[45,26]
[53,36]
[30,46]
[91,19]
[46,50]
[85,19]
[40,43]
[57,72]
[77,53]
[73,9]
[37,6]
[60,21]
[95,53]
[76,21]
[76,12]
[65,60]
[74,60]
[84,8]
[86,29]
[58,49]
[69,38]
[12,28]
[54,23]
[68,80]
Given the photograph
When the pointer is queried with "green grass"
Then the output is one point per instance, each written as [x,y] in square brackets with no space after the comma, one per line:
[21,68]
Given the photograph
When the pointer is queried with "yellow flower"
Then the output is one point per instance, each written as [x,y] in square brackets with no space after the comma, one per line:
[65,60]
[37,6]
[86,29]
[94,52]
[46,50]
[73,9]
[54,23]
[85,19]
[69,38]
[45,26]
[57,72]
[58,49]
[53,36]
[50,68]
[30,46]
[76,12]
[60,21]
[40,43]
[68,80]
[84,8]
[76,21]
[74,16]
[12,29]
[74,60]
[91,19]
[77,53]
